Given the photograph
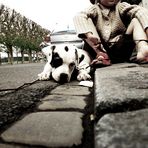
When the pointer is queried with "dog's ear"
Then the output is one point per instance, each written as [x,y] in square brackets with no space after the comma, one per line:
[52,47]
[46,50]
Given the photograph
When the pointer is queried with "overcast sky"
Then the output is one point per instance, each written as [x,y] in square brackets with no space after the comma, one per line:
[48,13]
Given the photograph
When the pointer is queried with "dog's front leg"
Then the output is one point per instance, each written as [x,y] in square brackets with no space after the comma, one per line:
[83,72]
[45,75]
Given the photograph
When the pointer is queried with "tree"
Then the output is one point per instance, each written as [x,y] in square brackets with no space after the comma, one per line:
[20,32]
[8,32]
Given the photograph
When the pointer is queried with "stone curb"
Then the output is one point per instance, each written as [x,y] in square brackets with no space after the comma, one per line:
[121,102]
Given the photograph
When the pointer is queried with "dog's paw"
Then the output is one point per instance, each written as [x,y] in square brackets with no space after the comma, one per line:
[43,76]
[83,76]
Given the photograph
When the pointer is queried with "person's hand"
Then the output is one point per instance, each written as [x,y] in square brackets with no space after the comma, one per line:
[93,41]
[101,59]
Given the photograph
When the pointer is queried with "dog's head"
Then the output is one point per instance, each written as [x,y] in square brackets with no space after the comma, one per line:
[63,62]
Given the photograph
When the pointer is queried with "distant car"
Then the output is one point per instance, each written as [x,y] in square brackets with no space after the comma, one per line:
[66,36]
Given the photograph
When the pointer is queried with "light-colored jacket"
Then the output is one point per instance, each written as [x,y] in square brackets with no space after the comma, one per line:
[109,22]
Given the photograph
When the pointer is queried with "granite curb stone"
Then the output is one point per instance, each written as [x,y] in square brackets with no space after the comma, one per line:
[121,102]
[123,130]
[123,87]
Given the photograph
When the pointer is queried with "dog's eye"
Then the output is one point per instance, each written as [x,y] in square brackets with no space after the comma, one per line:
[72,64]
[56,61]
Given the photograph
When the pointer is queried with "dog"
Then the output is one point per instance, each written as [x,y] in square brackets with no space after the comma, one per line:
[62,61]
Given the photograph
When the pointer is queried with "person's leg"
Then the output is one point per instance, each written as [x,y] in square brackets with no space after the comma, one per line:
[138,33]
[121,51]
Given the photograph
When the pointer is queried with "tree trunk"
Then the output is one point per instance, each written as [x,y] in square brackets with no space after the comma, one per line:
[17,57]
[30,55]
[37,57]
[10,54]
[0,59]
[22,54]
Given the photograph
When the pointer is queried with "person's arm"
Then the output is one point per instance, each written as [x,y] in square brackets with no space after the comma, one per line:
[83,21]
[93,41]
[85,27]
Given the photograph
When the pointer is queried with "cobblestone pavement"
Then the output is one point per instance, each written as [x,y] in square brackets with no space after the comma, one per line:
[46,114]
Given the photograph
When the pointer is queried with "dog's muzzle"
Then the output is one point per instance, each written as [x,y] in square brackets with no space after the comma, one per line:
[63,78]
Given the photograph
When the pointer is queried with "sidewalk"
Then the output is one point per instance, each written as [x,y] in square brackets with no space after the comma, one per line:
[121,105]
[61,115]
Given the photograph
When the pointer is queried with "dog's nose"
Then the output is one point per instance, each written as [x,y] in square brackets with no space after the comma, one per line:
[63,78]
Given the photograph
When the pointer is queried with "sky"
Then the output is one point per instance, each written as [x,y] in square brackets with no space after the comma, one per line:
[50,14]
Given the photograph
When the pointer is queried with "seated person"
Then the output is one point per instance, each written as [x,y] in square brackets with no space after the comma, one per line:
[112,30]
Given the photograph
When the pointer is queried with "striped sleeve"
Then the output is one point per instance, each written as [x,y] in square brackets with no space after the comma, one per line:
[83,21]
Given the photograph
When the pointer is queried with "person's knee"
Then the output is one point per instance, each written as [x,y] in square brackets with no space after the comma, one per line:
[134,24]
[134,21]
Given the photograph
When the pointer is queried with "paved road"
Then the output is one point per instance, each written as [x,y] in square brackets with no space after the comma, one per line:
[12,76]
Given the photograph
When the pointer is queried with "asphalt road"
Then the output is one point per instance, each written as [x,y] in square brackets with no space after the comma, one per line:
[12,76]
